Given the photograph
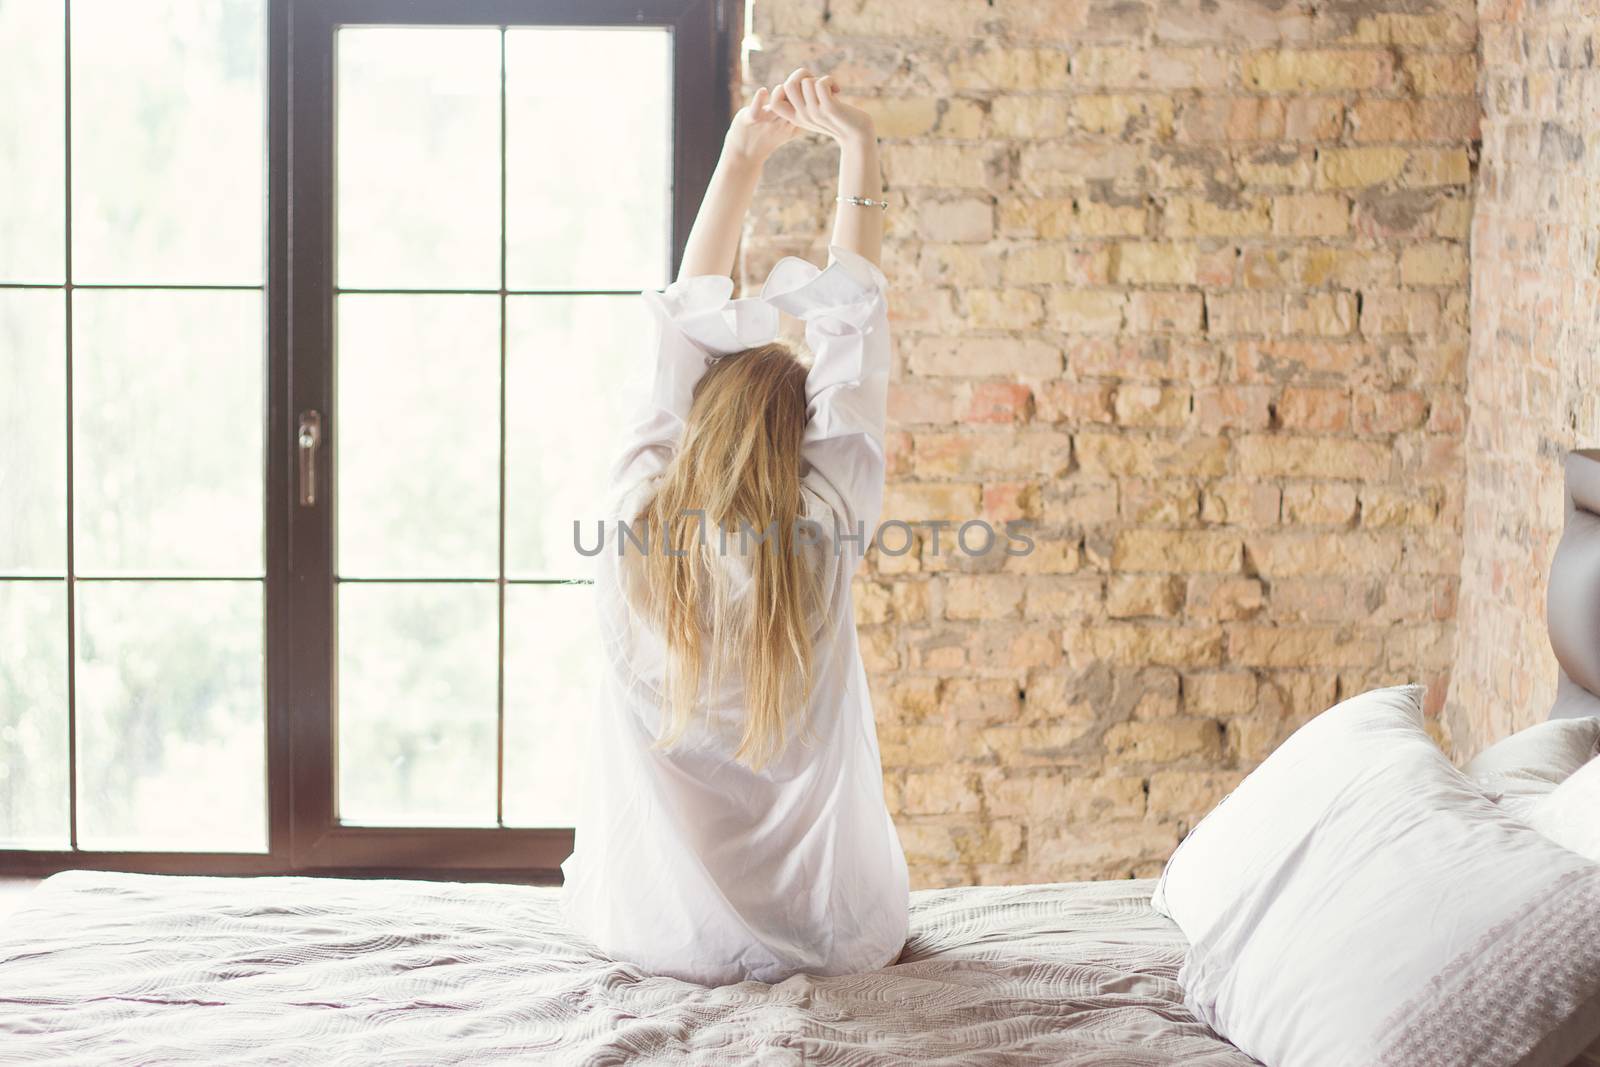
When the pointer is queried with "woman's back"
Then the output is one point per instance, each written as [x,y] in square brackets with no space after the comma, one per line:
[693,864]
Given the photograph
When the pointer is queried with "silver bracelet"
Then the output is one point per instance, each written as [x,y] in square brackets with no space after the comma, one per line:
[863,201]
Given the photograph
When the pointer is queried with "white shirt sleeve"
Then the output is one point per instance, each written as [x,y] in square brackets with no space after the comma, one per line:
[845,310]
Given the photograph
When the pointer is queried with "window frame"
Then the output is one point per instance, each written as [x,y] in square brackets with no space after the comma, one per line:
[303,834]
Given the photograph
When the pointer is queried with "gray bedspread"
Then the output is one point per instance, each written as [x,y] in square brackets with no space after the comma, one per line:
[121,968]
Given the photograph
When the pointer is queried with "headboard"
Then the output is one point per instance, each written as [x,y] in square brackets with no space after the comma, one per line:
[1572,605]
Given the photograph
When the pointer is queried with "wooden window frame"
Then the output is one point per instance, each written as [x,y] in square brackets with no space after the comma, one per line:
[304,836]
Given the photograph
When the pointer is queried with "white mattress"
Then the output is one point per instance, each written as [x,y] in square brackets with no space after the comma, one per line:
[121,968]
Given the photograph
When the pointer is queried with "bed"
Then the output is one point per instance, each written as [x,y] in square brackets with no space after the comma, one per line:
[122,968]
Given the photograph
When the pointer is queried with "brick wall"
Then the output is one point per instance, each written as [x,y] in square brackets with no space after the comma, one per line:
[1185,284]
[1534,368]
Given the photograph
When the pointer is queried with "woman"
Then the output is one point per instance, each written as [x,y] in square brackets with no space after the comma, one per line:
[735,825]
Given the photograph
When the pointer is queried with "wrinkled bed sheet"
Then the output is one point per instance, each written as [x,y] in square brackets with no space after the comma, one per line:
[123,968]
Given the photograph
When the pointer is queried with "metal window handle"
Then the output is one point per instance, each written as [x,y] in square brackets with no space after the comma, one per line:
[309,440]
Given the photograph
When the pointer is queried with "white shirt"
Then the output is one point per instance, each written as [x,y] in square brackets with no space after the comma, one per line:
[689,863]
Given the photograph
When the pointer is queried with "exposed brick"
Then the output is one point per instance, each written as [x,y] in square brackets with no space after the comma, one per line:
[1310,215]
[1183,794]
[1242,407]
[1154,264]
[1150,405]
[1062,596]
[966,219]
[1319,503]
[1440,74]
[1003,402]
[1176,551]
[1219,693]
[1003,309]
[1278,554]
[982,66]
[1028,117]
[1243,502]
[1433,264]
[1057,217]
[1185,286]
[922,502]
[1165,312]
[1262,455]
[1224,597]
[1065,796]
[1232,119]
[1164,742]
[982,357]
[982,597]
[1344,168]
[1086,310]
[940,166]
[1299,71]
[1124,115]
[1126,455]
[1135,595]
[1318,410]
[1300,646]
[1074,403]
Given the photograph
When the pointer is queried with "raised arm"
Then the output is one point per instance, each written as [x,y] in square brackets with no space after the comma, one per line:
[813,103]
[756,132]
[696,316]
[845,308]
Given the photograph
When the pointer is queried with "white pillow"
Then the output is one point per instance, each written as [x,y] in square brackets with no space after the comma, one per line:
[1570,815]
[1357,901]
[1521,769]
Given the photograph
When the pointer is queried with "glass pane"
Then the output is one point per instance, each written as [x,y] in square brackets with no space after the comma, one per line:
[572,365]
[171,716]
[417,704]
[167,414]
[33,405]
[552,676]
[32,136]
[604,225]
[419,158]
[33,715]
[168,141]
[418,436]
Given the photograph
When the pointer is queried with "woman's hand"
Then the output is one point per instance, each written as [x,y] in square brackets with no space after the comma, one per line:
[813,104]
[757,130]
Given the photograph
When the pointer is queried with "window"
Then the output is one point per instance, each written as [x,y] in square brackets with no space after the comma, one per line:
[305,381]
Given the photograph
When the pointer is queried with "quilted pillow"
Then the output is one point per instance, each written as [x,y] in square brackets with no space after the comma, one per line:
[1358,902]
[1521,769]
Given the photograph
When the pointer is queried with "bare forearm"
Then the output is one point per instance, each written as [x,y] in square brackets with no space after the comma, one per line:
[714,237]
[856,227]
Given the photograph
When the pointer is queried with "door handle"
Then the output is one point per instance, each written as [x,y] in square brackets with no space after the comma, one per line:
[308,441]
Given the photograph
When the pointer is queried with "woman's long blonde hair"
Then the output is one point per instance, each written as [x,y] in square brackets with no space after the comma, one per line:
[740,467]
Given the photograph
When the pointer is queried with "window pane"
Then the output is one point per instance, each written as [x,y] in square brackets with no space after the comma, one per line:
[33,715]
[32,135]
[552,679]
[573,365]
[171,718]
[419,158]
[33,404]
[418,436]
[167,415]
[168,136]
[604,225]
[417,704]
